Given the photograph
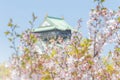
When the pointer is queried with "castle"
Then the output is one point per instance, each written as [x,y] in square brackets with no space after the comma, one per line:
[53,28]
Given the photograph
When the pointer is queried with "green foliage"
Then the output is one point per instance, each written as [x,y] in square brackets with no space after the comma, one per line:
[23,65]
[46,76]
[26,50]
[117,49]
[118,19]
[85,43]
[110,68]
[10,39]
[12,35]
[7,33]
[99,1]
[102,1]
[33,38]
[10,24]
[53,53]
[34,17]
[31,22]
[4,71]
[119,7]
[81,49]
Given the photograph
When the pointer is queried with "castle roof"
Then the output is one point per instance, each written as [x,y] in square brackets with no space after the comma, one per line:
[52,23]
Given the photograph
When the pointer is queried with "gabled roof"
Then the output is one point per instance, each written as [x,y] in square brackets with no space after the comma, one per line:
[51,23]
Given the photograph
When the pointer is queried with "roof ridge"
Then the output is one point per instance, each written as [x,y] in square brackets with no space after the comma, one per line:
[55,17]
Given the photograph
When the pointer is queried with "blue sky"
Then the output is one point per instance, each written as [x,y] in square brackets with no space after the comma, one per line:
[21,10]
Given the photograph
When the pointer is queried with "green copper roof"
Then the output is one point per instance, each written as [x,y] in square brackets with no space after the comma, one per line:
[51,23]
